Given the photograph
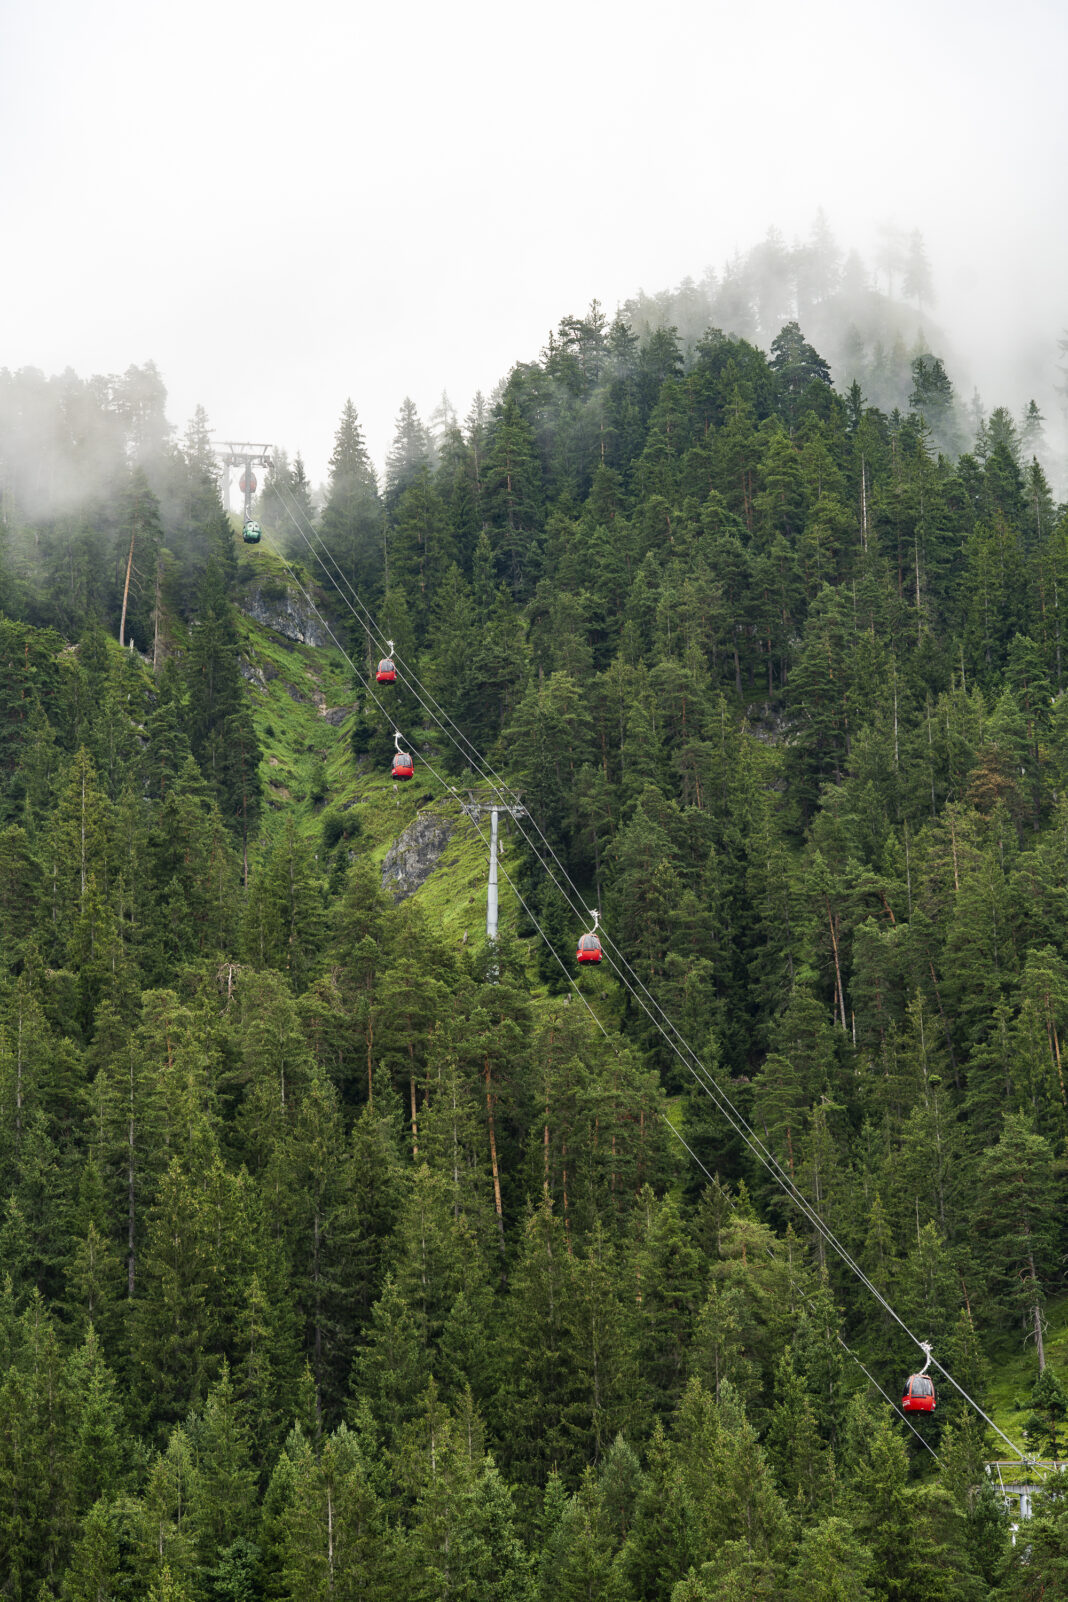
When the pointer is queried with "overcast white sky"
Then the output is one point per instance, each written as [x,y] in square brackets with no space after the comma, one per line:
[284,205]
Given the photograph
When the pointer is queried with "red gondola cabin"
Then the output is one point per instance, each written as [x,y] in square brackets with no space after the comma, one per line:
[387,670]
[919,1395]
[589,948]
[403,767]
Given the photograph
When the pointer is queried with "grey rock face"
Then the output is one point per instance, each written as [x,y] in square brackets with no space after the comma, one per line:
[287,614]
[253,675]
[410,862]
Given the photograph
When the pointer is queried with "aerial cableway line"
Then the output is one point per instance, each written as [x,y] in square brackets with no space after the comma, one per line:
[617,960]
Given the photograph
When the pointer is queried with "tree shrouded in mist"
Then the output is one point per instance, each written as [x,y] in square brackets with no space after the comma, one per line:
[352,517]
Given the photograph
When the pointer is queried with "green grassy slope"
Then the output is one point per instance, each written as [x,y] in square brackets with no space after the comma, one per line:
[293,687]
[1013,1371]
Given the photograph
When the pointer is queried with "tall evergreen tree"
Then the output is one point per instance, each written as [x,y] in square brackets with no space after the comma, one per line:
[351,526]
[221,731]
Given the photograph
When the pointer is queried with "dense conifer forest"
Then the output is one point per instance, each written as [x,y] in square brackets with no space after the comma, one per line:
[346,1257]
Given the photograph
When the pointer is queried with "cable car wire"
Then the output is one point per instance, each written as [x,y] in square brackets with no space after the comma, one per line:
[651,1007]
[473,756]
[897,1409]
[600,1025]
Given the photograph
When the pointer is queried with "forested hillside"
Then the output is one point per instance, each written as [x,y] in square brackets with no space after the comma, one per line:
[344,1257]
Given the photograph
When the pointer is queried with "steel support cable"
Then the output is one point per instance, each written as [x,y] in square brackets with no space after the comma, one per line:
[612,1045]
[689,1059]
[483,768]
[600,1025]
[651,1007]
[407,677]
[898,1410]
[697,1160]
[507,878]
[775,1168]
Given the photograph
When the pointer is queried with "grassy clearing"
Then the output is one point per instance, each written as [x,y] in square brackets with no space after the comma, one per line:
[291,688]
[1013,1371]
[294,684]
[302,753]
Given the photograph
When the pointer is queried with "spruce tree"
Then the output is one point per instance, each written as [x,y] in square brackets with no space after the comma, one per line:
[221,732]
[351,526]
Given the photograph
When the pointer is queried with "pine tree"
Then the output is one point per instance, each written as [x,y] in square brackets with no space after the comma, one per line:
[408,454]
[832,1565]
[513,495]
[351,527]
[140,553]
[1012,1206]
[221,733]
[886,1517]
[284,914]
[1049,1404]
[35,1468]
[98,1445]
[224,1477]
[313,1185]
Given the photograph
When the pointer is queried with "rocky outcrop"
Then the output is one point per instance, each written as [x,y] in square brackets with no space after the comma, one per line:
[275,606]
[410,862]
[252,675]
[336,715]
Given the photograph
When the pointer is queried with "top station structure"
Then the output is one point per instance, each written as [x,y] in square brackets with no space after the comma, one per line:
[245,454]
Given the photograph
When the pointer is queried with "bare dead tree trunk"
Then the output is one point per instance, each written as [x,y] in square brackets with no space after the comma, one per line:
[330,1534]
[864,503]
[1054,1044]
[126,589]
[493,1153]
[411,1089]
[370,1049]
[831,921]
[1036,1311]
[155,613]
[130,1199]
[548,1080]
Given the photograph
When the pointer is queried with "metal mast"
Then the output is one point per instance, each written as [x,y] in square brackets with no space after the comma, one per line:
[476,810]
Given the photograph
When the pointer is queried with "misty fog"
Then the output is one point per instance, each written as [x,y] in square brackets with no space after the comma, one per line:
[282,208]
[63,436]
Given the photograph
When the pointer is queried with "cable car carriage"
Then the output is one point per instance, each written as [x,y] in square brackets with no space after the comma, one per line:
[387,668]
[919,1394]
[251,533]
[403,766]
[589,947]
